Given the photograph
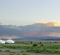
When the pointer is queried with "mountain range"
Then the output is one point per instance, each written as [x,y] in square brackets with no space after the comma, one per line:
[36,31]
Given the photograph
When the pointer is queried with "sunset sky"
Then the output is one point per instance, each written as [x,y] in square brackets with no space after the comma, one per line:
[24,12]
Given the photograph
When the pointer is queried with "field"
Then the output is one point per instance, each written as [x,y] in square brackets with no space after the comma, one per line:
[30,48]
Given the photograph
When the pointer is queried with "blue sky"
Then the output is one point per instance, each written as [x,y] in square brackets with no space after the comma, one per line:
[24,12]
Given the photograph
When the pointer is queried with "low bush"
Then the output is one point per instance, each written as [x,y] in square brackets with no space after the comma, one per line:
[35,45]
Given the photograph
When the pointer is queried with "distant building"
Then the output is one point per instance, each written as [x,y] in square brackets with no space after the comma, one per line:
[9,41]
[1,41]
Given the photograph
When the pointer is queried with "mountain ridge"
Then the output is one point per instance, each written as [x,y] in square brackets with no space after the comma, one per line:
[31,31]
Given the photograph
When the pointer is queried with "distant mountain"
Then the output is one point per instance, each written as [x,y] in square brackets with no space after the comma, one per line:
[40,38]
[50,30]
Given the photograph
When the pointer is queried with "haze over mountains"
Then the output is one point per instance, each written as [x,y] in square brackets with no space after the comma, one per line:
[37,31]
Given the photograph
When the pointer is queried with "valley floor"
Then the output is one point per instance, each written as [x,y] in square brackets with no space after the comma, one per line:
[30,48]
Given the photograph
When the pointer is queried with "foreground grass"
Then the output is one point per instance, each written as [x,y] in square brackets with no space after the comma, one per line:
[33,47]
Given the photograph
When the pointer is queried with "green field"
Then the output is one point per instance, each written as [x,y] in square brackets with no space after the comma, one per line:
[30,48]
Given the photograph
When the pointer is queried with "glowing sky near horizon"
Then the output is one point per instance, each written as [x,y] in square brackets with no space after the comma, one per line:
[23,12]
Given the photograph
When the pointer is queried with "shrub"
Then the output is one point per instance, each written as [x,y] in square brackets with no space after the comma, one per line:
[41,44]
[35,45]
[11,54]
[0,50]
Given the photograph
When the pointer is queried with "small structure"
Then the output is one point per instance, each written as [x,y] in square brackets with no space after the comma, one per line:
[9,41]
[2,42]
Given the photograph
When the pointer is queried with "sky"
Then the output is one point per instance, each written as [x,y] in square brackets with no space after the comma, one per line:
[25,12]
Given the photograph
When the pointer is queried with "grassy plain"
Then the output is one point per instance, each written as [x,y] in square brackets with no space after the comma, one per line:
[29,47]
